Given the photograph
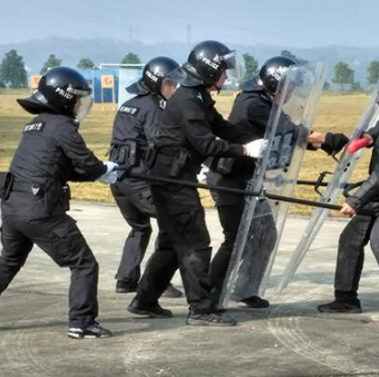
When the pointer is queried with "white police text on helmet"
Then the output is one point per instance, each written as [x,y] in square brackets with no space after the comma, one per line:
[151,76]
[63,93]
[278,72]
[210,63]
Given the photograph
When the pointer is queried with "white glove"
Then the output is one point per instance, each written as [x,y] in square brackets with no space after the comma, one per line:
[256,148]
[108,178]
[203,173]
[111,175]
[110,166]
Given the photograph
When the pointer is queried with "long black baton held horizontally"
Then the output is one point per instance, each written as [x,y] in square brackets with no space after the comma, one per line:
[261,194]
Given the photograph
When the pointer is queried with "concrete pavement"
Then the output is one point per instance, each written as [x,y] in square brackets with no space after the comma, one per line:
[289,339]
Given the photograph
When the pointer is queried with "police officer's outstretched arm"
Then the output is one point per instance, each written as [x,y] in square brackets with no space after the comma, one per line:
[236,133]
[199,133]
[87,167]
[331,143]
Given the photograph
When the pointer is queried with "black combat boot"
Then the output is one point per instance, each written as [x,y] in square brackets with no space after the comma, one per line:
[256,302]
[152,311]
[125,287]
[210,319]
[93,331]
[339,306]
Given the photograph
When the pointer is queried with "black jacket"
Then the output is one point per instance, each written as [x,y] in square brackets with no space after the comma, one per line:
[50,153]
[251,109]
[136,122]
[190,122]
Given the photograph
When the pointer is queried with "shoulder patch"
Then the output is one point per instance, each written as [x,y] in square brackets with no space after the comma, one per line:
[34,127]
[199,96]
[129,110]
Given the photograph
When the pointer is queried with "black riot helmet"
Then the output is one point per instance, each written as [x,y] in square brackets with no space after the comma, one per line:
[253,84]
[63,91]
[205,64]
[272,71]
[154,74]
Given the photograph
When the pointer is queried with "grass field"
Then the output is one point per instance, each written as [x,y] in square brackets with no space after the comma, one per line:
[337,113]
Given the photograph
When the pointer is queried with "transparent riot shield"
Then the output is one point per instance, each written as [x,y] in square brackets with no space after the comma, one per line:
[262,221]
[332,192]
[237,74]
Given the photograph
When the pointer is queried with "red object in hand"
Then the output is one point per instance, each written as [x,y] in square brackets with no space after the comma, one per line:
[355,145]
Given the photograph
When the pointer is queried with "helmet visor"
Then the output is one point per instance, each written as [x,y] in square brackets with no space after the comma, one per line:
[83,107]
[79,92]
[229,59]
[303,78]
[186,76]
[169,81]
[168,87]
[236,75]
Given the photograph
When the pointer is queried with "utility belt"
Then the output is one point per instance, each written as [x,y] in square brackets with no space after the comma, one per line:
[128,154]
[224,165]
[176,159]
[6,183]
[231,166]
[52,193]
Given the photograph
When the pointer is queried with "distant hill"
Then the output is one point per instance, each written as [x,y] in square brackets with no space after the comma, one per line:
[35,52]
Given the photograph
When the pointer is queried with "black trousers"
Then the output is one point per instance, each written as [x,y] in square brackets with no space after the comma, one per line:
[257,251]
[230,208]
[137,207]
[184,243]
[356,235]
[230,217]
[61,239]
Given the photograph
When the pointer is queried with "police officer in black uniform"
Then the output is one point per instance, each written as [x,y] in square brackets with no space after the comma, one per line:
[187,136]
[252,108]
[135,126]
[356,235]
[35,194]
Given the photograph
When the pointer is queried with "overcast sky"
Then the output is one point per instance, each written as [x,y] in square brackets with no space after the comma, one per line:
[297,23]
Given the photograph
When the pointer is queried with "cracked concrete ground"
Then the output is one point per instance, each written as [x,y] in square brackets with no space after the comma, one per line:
[288,339]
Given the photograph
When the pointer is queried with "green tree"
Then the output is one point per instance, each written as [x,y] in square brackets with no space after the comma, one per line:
[251,65]
[51,62]
[326,86]
[373,72]
[131,59]
[343,75]
[290,55]
[12,70]
[356,87]
[86,63]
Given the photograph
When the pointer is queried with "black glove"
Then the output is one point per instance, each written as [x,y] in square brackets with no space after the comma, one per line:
[334,143]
